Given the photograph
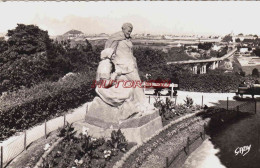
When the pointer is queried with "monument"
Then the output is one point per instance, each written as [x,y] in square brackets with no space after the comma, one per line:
[121,102]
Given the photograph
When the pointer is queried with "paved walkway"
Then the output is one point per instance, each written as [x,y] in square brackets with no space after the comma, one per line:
[209,99]
[204,157]
[219,150]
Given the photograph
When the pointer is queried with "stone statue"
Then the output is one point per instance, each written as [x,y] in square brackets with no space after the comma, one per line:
[118,53]
[119,105]
[125,62]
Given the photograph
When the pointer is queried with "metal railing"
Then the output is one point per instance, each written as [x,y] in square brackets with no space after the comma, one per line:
[250,106]
[186,149]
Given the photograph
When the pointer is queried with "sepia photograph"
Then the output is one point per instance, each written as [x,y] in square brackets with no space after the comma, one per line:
[129,84]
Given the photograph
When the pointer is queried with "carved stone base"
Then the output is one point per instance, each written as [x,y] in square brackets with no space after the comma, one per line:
[101,119]
[132,134]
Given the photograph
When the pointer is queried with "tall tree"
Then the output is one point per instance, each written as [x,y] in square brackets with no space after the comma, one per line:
[28,39]
[26,61]
[238,40]
[227,38]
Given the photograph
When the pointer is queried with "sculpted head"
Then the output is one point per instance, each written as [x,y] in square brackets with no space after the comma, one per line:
[127,29]
[107,53]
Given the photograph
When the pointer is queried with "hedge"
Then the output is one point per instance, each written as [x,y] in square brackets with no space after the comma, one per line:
[212,82]
[28,107]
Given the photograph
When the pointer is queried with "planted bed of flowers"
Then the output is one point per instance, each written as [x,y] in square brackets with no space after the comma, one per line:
[169,111]
[84,151]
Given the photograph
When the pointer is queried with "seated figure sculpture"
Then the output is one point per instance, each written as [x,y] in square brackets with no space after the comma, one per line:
[113,93]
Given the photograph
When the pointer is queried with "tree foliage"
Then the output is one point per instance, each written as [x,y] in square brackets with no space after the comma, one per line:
[248,40]
[3,45]
[149,60]
[219,53]
[28,39]
[255,73]
[205,46]
[257,51]
[227,38]
[29,57]
[238,40]
[154,62]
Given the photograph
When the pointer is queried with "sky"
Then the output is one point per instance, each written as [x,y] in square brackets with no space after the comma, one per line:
[177,18]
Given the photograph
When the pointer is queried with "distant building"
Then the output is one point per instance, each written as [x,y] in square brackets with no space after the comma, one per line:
[179,45]
[194,46]
[243,37]
[72,34]
[243,50]
[168,37]
[216,47]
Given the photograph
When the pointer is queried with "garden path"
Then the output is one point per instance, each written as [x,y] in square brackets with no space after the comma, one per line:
[157,158]
[209,99]
[219,150]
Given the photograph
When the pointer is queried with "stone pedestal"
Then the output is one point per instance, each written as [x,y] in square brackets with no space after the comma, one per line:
[102,120]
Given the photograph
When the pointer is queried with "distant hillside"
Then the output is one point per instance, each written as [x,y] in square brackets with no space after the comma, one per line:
[75,35]
[2,34]
[72,32]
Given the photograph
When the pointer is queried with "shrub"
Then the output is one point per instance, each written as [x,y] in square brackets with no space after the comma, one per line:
[257,51]
[237,40]
[205,46]
[67,132]
[255,73]
[188,102]
[242,73]
[227,38]
[213,81]
[118,140]
[30,57]
[168,109]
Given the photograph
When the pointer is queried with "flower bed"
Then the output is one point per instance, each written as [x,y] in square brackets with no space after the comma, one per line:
[84,151]
[169,111]
[100,153]
[29,107]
